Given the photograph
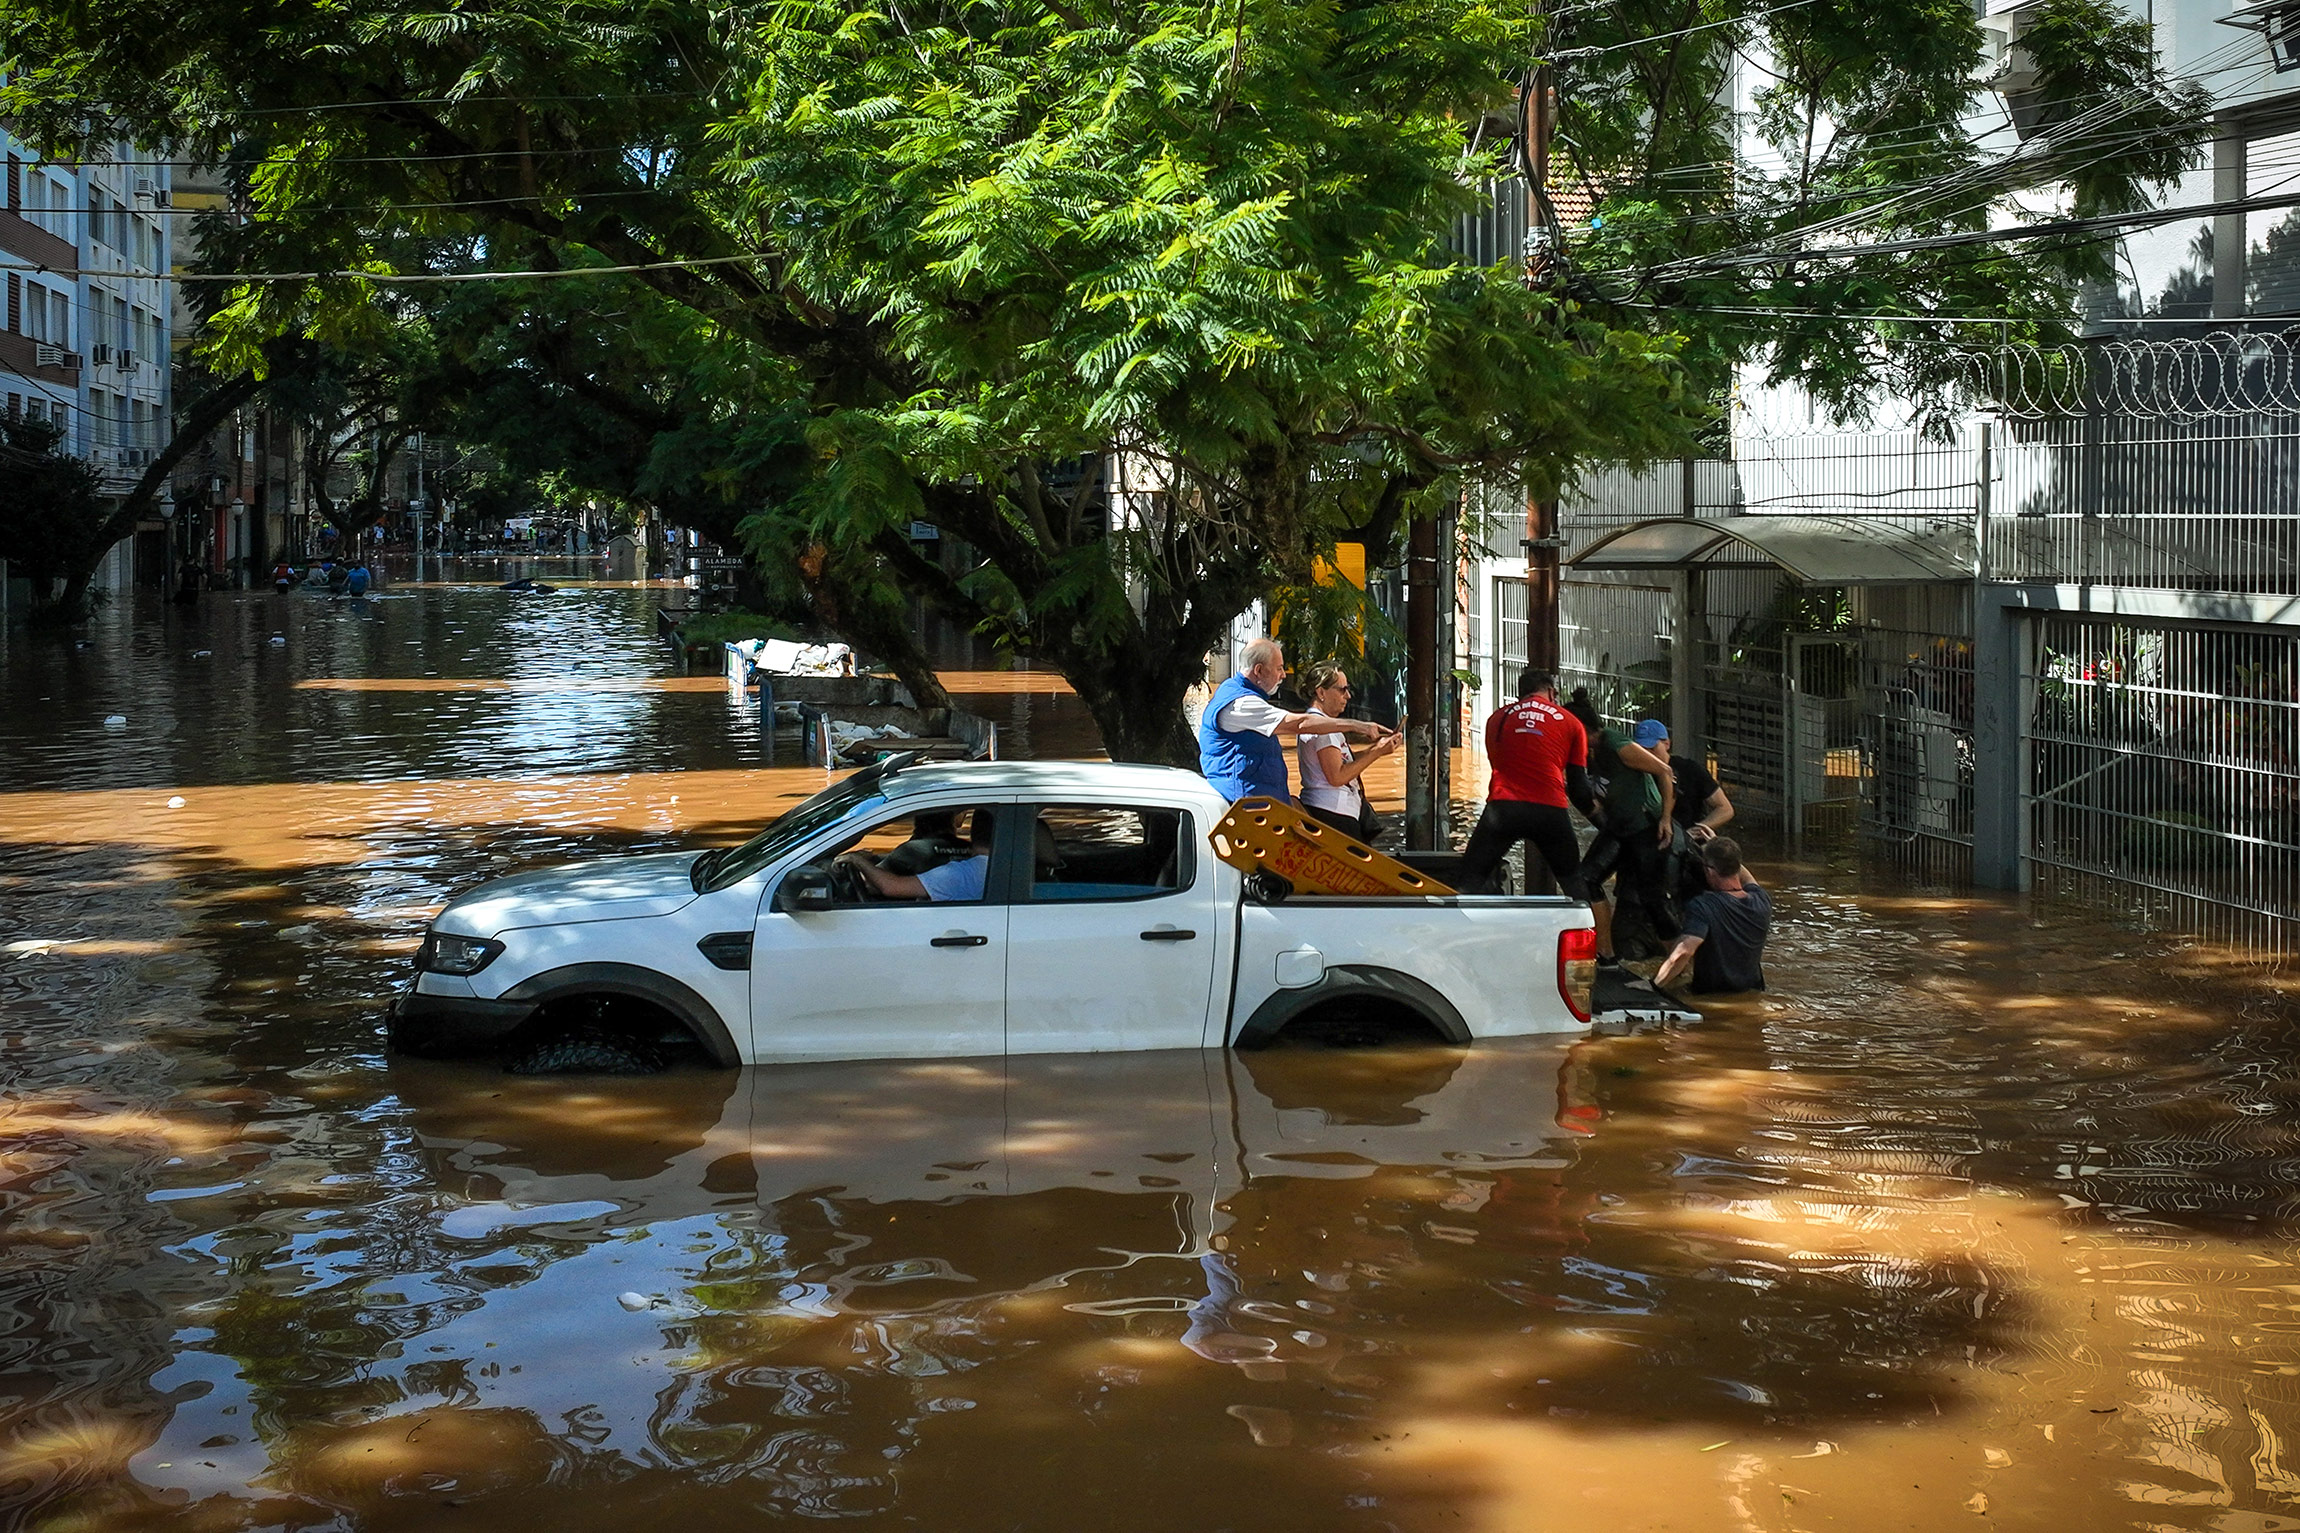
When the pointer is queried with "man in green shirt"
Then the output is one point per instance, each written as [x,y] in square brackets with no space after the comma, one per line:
[1633,822]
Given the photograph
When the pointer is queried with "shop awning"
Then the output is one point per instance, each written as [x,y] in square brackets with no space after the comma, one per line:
[1817,550]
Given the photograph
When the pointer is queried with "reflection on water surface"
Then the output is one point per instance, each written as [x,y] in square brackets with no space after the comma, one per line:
[1978,1216]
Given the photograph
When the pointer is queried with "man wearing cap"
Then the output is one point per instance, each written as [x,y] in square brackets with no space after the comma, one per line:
[1700,809]
[1242,735]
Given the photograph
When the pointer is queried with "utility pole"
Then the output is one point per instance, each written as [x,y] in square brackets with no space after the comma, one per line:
[1423,593]
[1544,269]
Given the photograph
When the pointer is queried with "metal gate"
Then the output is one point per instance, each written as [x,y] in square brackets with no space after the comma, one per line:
[1917,745]
[1822,715]
[2164,770]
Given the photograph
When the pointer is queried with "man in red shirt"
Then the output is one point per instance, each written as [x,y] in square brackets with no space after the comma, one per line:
[1540,756]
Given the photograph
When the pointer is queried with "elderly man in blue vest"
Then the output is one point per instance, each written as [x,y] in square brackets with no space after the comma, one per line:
[1242,735]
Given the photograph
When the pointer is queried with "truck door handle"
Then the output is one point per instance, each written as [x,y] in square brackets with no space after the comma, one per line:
[1167,934]
[958,939]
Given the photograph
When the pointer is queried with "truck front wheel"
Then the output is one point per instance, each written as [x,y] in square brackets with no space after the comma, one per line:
[598,1035]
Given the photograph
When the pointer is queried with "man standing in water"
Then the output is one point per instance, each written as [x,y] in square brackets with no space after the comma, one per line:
[1241,732]
[1726,925]
[1540,756]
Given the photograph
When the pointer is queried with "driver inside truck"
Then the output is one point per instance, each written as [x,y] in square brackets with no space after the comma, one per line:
[959,878]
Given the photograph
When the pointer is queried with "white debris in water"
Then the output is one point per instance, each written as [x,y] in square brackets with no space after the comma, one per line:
[25,946]
[115,721]
[279,638]
[202,654]
[844,734]
[634,1301]
[177,802]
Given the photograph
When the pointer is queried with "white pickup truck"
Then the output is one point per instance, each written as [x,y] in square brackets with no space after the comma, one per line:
[1069,907]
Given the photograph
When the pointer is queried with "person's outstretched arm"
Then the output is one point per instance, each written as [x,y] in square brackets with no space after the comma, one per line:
[1678,964]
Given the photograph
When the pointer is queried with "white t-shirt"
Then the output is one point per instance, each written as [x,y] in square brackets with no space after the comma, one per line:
[1345,799]
[960,880]
[1257,714]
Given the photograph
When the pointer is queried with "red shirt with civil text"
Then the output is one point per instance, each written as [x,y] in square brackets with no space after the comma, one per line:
[1531,743]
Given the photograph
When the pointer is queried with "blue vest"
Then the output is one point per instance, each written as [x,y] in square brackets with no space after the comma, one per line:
[1240,762]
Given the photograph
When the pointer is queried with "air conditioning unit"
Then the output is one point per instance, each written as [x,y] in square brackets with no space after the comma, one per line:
[127,361]
[143,186]
[100,353]
[44,355]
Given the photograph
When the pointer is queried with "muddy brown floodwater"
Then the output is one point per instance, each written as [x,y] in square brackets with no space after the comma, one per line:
[1985,1217]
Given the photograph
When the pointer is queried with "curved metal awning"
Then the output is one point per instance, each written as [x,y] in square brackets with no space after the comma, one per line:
[1817,550]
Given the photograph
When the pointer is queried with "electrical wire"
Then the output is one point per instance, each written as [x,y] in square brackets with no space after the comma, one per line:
[1570,54]
[392,279]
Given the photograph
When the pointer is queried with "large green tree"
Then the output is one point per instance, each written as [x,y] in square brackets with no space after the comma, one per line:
[981,262]
[51,519]
[977,242]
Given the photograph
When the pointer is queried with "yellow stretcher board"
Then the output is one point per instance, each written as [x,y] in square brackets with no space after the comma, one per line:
[1263,835]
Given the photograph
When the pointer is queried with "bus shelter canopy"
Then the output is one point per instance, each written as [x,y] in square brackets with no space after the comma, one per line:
[1816,550]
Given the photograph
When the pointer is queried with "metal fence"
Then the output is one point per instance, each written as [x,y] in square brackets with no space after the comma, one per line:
[2162,759]
[2164,770]
[1614,638]
[2209,505]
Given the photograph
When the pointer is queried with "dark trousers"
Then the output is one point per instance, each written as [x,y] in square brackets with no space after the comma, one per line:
[1506,822]
[1639,867]
[1362,826]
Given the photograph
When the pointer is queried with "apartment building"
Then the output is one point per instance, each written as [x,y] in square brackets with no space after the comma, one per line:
[85,337]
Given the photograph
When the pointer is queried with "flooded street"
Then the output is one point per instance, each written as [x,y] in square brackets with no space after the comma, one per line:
[1986,1216]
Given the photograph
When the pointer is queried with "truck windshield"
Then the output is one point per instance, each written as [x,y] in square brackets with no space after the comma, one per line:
[731,865]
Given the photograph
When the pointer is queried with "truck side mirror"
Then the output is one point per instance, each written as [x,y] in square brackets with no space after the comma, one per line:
[804,890]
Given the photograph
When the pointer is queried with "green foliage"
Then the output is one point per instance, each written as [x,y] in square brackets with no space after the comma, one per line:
[51,520]
[1335,619]
[1875,123]
[709,630]
[987,263]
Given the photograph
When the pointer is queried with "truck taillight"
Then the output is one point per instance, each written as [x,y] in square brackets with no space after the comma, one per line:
[1576,968]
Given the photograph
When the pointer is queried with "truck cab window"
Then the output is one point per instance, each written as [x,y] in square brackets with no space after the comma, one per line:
[935,855]
[1109,852]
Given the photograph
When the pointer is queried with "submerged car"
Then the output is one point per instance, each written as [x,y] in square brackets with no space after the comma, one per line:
[1067,907]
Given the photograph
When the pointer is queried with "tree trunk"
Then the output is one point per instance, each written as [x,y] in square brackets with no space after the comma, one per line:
[191,428]
[868,625]
[1140,715]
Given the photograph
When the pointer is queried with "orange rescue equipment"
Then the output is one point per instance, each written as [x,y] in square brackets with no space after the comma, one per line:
[1262,835]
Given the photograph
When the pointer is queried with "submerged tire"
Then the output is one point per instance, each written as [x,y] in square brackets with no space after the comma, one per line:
[590,1053]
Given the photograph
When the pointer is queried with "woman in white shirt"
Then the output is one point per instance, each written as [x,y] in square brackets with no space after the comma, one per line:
[1330,788]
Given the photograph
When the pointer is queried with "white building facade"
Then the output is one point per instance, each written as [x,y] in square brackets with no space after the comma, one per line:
[84,341]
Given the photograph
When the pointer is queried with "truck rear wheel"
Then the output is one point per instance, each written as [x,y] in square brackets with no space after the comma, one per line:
[1355,1023]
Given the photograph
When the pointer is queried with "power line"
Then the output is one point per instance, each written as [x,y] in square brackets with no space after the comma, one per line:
[393,279]
[1568,55]
[2056,229]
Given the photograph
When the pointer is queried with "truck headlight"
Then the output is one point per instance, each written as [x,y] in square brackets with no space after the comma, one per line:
[446,953]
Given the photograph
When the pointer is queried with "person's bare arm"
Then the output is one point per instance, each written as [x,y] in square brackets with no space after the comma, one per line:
[1678,964]
[887,886]
[1715,813]
[1342,768]
[1294,725]
[1640,759]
